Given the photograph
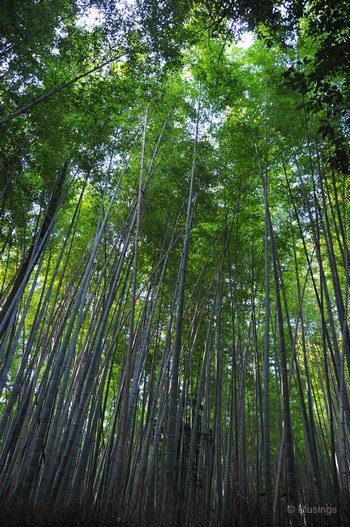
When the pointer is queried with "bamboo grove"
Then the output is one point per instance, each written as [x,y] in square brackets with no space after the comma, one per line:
[174,282]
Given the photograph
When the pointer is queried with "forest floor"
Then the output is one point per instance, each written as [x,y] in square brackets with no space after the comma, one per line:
[19,514]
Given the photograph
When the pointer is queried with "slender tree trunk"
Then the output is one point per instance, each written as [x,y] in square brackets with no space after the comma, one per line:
[171,452]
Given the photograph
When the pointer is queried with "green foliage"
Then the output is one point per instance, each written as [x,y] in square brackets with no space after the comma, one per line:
[272,138]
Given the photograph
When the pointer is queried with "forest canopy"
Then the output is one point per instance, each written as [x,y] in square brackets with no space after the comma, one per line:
[174,263]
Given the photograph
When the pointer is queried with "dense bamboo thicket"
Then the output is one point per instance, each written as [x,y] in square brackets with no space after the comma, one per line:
[174,267]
